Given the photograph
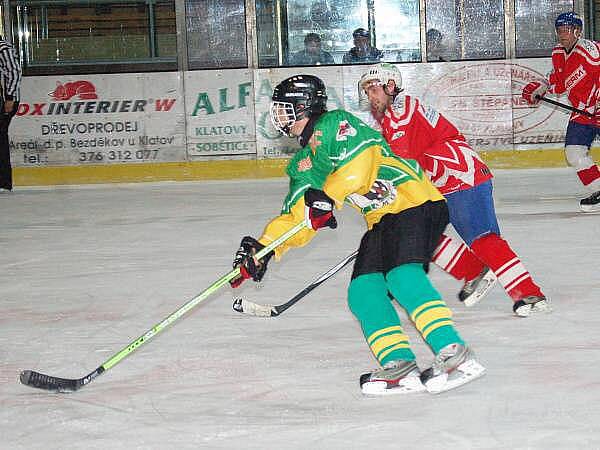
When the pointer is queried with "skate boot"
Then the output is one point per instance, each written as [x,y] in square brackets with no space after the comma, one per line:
[396,377]
[531,304]
[473,291]
[591,203]
[452,367]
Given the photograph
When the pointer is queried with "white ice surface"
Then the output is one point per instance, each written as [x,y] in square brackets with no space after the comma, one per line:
[84,270]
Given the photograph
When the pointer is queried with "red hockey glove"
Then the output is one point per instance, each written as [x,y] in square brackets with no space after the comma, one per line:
[249,266]
[319,210]
[533,92]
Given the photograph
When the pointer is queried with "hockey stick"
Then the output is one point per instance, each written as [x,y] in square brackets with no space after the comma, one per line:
[56,384]
[562,105]
[254,309]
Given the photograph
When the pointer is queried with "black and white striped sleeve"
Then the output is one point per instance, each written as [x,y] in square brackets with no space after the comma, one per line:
[11,72]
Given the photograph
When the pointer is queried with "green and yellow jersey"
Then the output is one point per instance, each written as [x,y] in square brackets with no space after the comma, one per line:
[352,164]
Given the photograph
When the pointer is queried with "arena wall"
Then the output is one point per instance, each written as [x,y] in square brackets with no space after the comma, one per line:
[78,129]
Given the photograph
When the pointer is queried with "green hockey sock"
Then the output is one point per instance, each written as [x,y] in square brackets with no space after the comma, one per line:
[411,287]
[369,302]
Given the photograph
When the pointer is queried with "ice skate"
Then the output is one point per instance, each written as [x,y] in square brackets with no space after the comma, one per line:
[473,291]
[453,366]
[531,304]
[591,203]
[396,377]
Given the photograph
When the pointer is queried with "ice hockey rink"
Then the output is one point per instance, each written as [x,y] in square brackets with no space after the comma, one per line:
[84,270]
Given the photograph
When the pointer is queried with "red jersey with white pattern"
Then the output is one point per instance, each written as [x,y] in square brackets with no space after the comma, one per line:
[418,132]
[577,73]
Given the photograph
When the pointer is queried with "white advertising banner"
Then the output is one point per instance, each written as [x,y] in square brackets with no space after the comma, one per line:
[269,142]
[99,119]
[482,99]
[161,117]
[220,113]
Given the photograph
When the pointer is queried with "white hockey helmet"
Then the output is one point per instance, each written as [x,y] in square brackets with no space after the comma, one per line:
[380,74]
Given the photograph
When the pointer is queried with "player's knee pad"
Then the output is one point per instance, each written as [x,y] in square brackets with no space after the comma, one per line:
[410,286]
[367,293]
[447,252]
[485,246]
[486,240]
[578,156]
[494,251]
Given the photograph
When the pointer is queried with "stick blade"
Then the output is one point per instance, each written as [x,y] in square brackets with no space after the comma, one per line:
[254,309]
[38,380]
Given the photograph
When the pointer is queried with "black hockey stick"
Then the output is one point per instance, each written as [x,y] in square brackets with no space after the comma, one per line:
[56,384]
[562,105]
[254,309]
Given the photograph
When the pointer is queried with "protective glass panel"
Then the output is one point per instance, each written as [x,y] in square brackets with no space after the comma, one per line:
[397,29]
[534,25]
[464,29]
[332,20]
[166,29]
[75,33]
[317,32]
[216,34]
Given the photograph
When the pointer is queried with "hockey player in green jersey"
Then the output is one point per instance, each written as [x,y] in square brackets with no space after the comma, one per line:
[343,160]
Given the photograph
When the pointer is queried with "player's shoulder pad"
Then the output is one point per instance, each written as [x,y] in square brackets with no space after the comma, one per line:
[339,124]
[336,116]
[430,114]
[403,105]
[588,48]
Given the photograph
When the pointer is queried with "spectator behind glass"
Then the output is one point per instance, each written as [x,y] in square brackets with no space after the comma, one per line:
[436,51]
[312,55]
[362,50]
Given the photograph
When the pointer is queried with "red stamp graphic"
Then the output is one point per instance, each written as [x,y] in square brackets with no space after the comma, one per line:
[484,100]
[82,89]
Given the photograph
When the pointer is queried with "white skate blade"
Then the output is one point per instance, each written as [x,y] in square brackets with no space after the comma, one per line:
[541,307]
[589,208]
[485,285]
[523,311]
[527,310]
[408,385]
[466,372]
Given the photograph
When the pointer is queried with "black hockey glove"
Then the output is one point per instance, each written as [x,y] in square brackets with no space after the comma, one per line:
[249,266]
[319,210]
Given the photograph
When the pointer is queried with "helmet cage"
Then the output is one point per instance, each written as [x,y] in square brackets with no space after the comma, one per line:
[283,116]
[296,98]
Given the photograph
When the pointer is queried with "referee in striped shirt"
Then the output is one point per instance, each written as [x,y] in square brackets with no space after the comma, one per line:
[10,81]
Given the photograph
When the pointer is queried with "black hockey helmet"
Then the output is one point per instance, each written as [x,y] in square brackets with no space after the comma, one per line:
[295,98]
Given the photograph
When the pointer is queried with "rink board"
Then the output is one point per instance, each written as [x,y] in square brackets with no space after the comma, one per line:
[99,128]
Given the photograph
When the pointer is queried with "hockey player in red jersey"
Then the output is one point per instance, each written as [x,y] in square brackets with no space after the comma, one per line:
[421,133]
[576,72]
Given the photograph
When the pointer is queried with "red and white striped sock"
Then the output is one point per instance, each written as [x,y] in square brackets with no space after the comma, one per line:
[511,272]
[590,177]
[456,258]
